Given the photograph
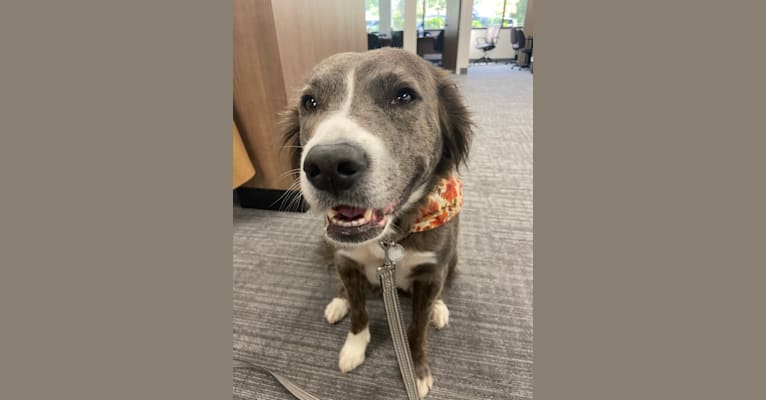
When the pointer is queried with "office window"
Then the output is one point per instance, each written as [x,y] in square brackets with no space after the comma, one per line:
[397,15]
[505,13]
[372,15]
[432,14]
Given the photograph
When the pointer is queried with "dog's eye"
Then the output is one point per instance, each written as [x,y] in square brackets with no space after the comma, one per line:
[404,96]
[309,102]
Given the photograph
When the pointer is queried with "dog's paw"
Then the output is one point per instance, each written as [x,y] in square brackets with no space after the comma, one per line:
[439,315]
[352,353]
[336,310]
[425,385]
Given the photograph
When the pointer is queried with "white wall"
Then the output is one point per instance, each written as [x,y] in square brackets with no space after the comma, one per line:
[464,36]
[502,49]
[385,16]
[529,19]
[410,25]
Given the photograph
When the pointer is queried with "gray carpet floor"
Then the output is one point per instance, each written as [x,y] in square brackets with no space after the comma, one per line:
[281,285]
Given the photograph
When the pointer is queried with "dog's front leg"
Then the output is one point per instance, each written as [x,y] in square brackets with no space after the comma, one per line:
[424,297]
[354,283]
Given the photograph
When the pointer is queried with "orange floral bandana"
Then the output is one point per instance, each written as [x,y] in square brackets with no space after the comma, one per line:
[444,203]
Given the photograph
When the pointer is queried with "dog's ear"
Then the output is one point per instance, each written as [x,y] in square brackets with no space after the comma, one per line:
[290,127]
[454,121]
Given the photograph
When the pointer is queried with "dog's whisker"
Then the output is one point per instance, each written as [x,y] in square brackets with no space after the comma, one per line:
[293,198]
[295,171]
[287,192]
[287,204]
[289,200]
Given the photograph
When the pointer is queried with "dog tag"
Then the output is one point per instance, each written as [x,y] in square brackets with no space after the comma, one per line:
[395,252]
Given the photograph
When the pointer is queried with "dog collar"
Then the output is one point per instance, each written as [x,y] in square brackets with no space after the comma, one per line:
[443,204]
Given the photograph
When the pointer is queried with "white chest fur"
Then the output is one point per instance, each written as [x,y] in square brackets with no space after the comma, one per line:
[370,256]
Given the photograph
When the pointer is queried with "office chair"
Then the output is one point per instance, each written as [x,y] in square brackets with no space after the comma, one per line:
[523,49]
[432,48]
[397,39]
[514,45]
[439,45]
[373,41]
[521,41]
[488,42]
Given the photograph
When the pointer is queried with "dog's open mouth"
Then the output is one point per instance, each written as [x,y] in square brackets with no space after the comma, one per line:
[354,224]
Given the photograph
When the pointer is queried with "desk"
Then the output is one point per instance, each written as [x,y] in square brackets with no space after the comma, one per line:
[426,45]
[384,40]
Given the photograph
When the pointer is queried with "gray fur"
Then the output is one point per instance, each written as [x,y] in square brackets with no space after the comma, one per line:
[424,141]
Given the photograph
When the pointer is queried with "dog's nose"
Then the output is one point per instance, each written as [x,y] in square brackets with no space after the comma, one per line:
[334,167]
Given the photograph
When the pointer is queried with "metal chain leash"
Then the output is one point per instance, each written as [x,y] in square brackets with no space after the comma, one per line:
[393,253]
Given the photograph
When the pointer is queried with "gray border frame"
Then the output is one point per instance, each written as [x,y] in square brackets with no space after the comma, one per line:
[115,278]
[116,204]
[649,200]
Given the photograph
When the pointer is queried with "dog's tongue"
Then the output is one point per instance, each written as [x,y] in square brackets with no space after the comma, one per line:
[350,212]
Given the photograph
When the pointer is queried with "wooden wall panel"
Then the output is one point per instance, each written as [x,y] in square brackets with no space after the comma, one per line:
[309,31]
[276,43]
[259,91]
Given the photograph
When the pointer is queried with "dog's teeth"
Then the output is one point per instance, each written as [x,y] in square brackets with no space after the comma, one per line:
[336,218]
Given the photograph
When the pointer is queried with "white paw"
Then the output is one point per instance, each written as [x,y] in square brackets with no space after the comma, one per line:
[439,315]
[336,310]
[352,353]
[424,385]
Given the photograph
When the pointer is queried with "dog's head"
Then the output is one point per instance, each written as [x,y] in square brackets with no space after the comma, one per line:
[370,133]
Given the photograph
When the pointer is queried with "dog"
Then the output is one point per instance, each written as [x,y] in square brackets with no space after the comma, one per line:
[378,138]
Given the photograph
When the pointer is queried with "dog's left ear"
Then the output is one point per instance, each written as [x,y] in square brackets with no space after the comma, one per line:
[454,121]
